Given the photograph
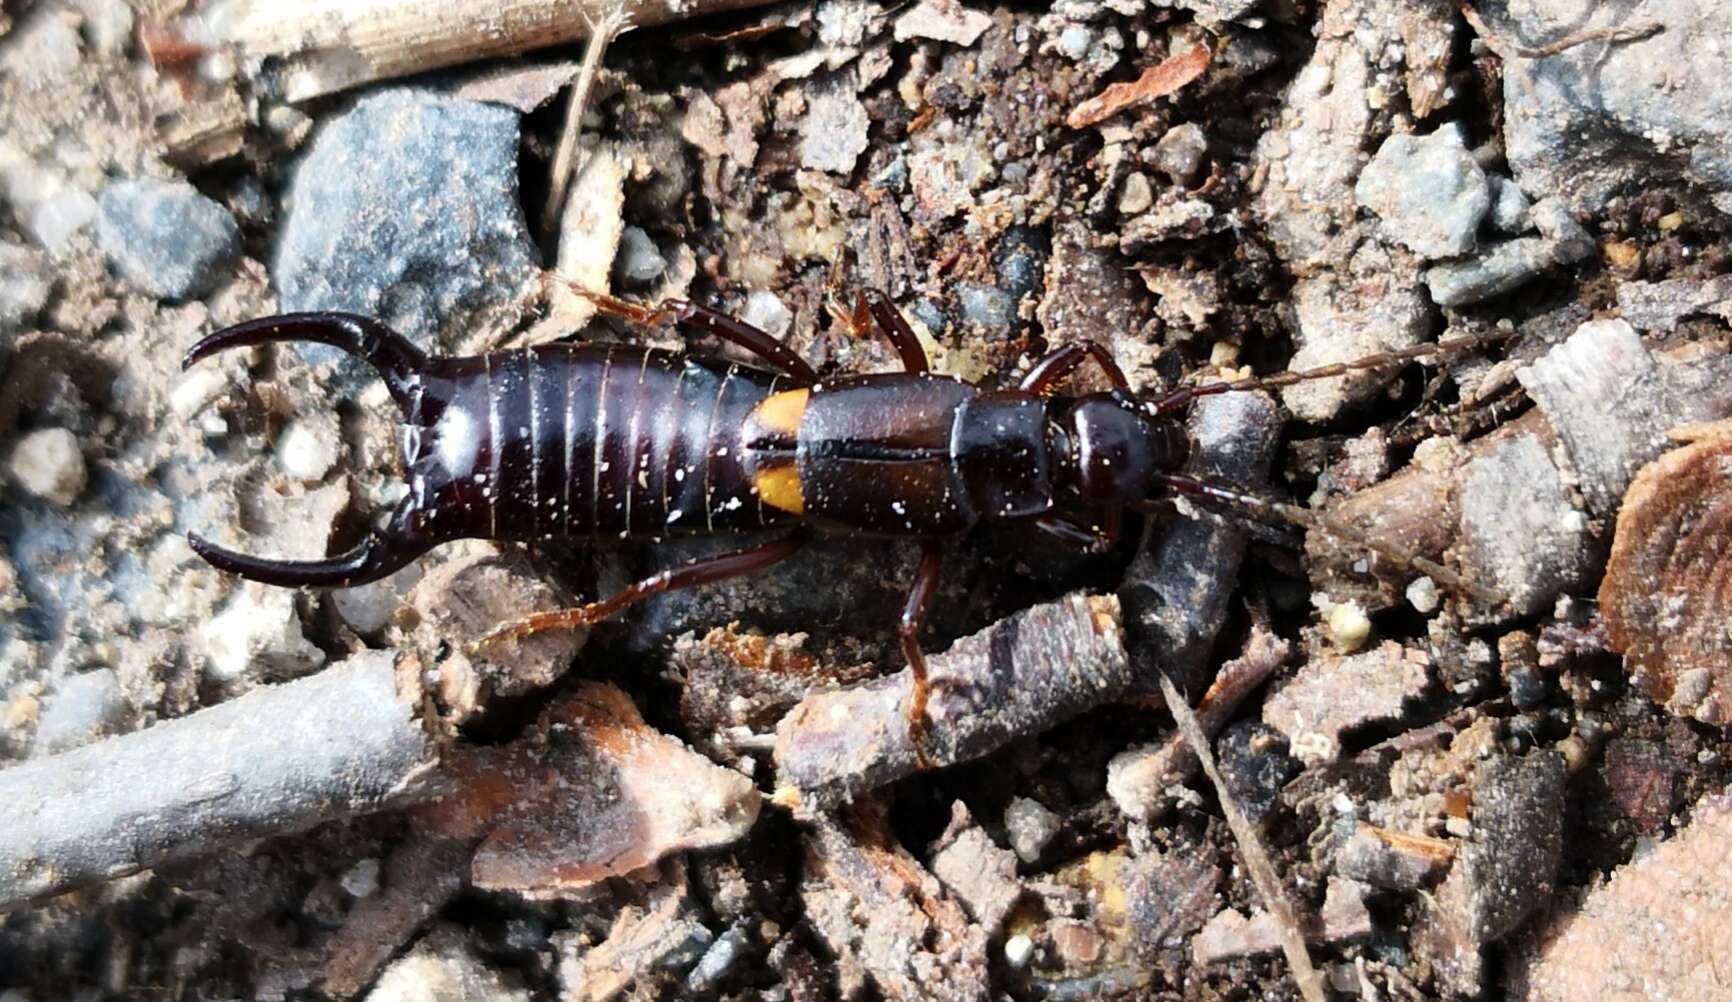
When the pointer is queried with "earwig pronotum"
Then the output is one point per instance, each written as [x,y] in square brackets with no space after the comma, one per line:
[568,441]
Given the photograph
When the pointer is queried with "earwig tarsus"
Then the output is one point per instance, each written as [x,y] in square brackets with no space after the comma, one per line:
[574,441]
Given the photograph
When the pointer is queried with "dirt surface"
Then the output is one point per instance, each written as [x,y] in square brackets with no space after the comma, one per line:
[1441,779]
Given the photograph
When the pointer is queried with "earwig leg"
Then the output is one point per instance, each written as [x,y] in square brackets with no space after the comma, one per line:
[694,319]
[1327,523]
[913,617]
[397,360]
[894,326]
[699,572]
[1060,362]
[1092,539]
[381,553]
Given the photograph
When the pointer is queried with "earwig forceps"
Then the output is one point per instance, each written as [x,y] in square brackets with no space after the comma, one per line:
[402,366]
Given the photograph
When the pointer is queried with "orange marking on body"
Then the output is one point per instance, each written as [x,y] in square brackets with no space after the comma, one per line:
[779,487]
[780,413]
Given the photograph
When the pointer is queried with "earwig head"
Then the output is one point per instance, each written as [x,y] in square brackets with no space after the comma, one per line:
[1117,447]
[400,364]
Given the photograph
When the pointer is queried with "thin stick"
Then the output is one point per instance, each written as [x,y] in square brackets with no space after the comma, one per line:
[1257,860]
[601,34]
[1508,50]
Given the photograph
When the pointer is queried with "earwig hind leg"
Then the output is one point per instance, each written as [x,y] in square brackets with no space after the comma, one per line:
[1060,362]
[700,572]
[379,554]
[913,617]
[694,319]
[396,359]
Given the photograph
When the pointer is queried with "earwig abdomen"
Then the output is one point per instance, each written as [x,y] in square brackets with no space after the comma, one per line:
[585,441]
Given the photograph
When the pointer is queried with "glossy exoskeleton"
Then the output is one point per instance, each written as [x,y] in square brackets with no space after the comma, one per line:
[584,441]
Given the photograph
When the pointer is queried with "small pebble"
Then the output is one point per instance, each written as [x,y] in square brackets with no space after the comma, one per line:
[43,49]
[1073,42]
[81,708]
[1429,191]
[1509,206]
[260,631]
[717,961]
[1179,153]
[362,879]
[107,25]
[639,261]
[986,305]
[1346,623]
[766,311]
[165,237]
[1030,827]
[49,465]
[23,286]
[1017,950]
[1136,196]
[1422,595]
[307,450]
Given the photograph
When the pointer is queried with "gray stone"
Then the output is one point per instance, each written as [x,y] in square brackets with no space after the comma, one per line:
[1215,11]
[639,260]
[1073,42]
[1606,117]
[1030,827]
[986,305]
[1570,240]
[833,134]
[406,209]
[1179,153]
[165,237]
[1428,190]
[766,311]
[1503,266]
[1509,206]
[81,708]
[23,286]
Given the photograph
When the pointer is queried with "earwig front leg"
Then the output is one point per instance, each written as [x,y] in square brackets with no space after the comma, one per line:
[1093,539]
[700,572]
[894,326]
[913,617]
[1060,362]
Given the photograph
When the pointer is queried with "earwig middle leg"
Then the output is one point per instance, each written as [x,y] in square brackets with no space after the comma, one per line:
[894,326]
[1060,362]
[694,319]
[913,617]
[700,572]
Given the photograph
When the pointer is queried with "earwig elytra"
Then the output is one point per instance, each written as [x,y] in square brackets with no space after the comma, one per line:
[578,441]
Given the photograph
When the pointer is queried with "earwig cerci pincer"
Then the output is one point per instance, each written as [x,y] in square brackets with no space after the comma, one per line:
[589,441]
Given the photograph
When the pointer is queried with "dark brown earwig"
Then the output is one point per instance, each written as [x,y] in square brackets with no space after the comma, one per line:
[583,441]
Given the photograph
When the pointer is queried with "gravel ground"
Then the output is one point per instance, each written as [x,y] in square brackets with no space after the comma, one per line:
[216,789]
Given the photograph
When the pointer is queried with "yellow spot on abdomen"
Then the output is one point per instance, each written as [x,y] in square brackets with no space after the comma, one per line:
[779,487]
[780,413]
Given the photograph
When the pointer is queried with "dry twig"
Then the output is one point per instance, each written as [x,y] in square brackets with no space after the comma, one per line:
[602,33]
[1257,860]
[1159,80]
[1508,50]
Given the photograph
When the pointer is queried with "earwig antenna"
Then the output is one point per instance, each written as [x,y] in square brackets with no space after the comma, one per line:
[1183,396]
[1327,523]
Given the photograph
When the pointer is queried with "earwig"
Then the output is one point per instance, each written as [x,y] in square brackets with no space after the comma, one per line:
[585,441]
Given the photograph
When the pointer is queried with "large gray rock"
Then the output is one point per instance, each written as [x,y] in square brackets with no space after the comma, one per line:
[1606,117]
[165,237]
[407,209]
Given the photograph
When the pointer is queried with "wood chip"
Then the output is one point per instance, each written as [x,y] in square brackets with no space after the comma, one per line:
[1159,80]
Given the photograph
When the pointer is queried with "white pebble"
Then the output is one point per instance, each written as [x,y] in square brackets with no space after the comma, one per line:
[766,311]
[307,450]
[48,464]
[257,633]
[1017,950]
[196,390]
[362,879]
[1422,595]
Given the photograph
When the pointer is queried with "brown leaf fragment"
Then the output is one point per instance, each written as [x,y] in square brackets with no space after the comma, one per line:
[1666,598]
[1016,678]
[885,916]
[1657,929]
[523,86]
[1392,859]
[593,792]
[1159,80]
